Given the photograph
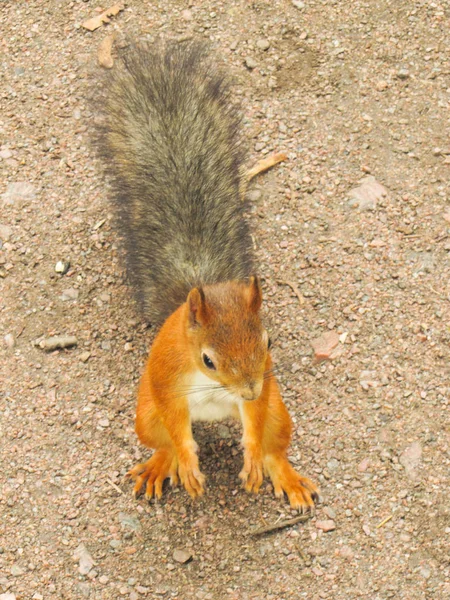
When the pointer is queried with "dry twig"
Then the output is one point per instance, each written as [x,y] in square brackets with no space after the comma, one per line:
[279,525]
[295,289]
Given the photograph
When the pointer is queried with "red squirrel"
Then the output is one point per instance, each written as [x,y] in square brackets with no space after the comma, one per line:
[170,140]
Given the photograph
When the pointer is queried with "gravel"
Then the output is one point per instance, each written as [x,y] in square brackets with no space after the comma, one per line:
[346,90]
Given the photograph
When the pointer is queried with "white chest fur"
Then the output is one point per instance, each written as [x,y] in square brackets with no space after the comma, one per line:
[208,401]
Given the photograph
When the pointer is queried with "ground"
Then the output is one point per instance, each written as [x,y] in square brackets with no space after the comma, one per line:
[346,89]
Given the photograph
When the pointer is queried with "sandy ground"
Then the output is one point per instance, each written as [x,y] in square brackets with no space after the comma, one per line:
[347,89]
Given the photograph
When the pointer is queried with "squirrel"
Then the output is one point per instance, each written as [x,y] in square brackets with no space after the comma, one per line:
[170,140]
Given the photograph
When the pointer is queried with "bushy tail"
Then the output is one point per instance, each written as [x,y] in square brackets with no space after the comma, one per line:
[169,139]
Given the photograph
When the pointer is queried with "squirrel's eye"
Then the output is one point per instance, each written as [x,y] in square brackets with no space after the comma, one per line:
[208,362]
[269,344]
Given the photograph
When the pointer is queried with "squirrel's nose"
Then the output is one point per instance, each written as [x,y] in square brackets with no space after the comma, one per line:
[252,391]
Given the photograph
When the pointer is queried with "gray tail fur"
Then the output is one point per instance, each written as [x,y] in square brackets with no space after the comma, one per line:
[169,139]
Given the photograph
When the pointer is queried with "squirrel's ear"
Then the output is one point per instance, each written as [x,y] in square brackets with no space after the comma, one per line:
[254,293]
[198,311]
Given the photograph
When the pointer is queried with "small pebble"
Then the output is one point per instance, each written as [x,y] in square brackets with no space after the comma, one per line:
[9,340]
[84,356]
[62,266]
[250,63]
[263,44]
[181,556]
[325,526]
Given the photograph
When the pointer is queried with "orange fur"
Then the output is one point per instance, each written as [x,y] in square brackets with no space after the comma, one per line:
[222,321]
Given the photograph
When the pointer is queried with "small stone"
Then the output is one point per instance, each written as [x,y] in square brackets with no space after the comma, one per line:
[403,74]
[410,459]
[425,572]
[254,195]
[86,562]
[368,194]
[62,266]
[298,4]
[202,522]
[69,294]
[16,570]
[10,342]
[330,512]
[19,191]
[6,153]
[182,556]
[224,431]
[103,579]
[250,63]
[130,521]
[381,85]
[324,345]
[284,244]
[5,233]
[133,595]
[187,15]
[8,596]
[363,465]
[346,552]
[106,345]
[115,544]
[104,422]
[333,464]
[84,356]
[263,44]
[325,526]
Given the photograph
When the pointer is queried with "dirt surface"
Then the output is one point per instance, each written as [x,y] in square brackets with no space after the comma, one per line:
[347,89]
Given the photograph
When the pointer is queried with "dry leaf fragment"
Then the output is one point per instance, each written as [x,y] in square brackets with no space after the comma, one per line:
[104,52]
[96,22]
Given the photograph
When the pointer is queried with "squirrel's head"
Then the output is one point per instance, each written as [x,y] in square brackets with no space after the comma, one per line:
[228,339]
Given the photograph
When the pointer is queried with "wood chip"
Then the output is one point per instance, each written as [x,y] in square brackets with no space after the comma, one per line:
[96,22]
[105,58]
[265,164]
[260,167]
[58,341]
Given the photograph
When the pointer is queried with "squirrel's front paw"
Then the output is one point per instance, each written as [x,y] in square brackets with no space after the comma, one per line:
[252,472]
[302,492]
[160,466]
[191,477]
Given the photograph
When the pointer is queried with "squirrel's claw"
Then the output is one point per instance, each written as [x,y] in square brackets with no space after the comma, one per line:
[252,473]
